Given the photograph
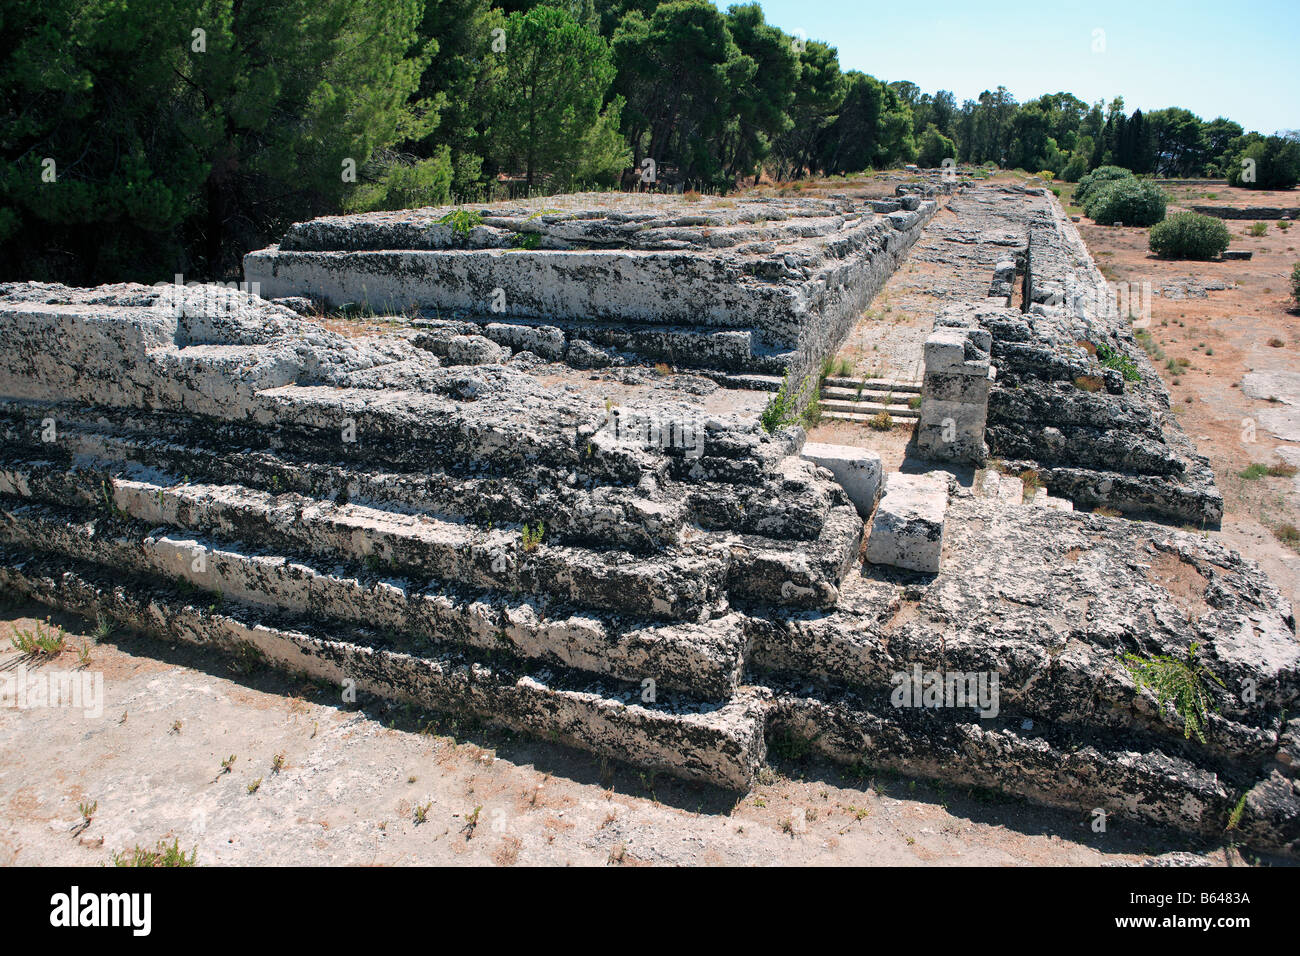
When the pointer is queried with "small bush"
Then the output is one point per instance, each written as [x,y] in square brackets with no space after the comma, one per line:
[1295,285]
[162,855]
[881,422]
[1289,535]
[1180,682]
[1259,229]
[1097,178]
[1110,358]
[782,409]
[1134,202]
[1189,235]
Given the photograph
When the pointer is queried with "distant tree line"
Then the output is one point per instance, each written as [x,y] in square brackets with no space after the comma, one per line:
[140,138]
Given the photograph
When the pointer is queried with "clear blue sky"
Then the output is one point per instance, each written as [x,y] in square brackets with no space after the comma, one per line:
[1239,60]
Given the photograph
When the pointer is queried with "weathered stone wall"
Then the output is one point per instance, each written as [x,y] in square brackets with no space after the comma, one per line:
[1248,212]
[770,286]
[1061,402]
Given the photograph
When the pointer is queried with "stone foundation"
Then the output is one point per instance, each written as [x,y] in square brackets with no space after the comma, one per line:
[623,559]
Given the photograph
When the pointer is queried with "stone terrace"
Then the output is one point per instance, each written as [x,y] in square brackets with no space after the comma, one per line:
[617,558]
[739,285]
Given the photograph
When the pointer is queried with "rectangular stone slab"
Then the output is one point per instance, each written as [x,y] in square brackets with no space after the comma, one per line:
[907,531]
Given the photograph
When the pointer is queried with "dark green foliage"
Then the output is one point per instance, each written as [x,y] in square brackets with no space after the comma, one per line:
[177,152]
[548,106]
[1134,202]
[934,148]
[169,158]
[1189,235]
[1274,163]
[1098,178]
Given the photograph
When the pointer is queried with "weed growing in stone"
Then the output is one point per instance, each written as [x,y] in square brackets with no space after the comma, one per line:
[881,422]
[40,640]
[1031,481]
[1111,358]
[462,222]
[1180,682]
[532,536]
[782,409]
[104,627]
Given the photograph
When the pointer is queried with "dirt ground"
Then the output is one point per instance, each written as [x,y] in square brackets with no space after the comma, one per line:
[1214,343]
[361,783]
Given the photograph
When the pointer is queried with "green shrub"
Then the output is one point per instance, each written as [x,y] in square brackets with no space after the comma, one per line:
[1111,358]
[1134,202]
[1075,169]
[1045,174]
[1189,235]
[1097,178]
[1180,682]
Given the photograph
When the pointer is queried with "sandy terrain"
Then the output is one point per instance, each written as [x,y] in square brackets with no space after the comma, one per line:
[356,777]
[1225,335]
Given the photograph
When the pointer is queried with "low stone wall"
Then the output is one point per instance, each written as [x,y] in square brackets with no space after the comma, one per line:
[1248,212]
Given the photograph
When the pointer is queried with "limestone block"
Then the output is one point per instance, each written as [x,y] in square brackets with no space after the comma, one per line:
[474,350]
[956,387]
[858,470]
[907,531]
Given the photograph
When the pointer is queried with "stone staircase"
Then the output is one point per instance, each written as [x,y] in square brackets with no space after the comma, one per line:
[454,535]
[859,400]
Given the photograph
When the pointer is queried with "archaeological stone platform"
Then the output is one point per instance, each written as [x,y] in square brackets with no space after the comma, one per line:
[748,285]
[622,559]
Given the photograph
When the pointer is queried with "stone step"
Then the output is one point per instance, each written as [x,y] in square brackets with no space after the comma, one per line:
[1010,489]
[727,349]
[957,745]
[863,418]
[851,385]
[722,744]
[699,657]
[604,516]
[865,409]
[908,527]
[796,574]
[681,584]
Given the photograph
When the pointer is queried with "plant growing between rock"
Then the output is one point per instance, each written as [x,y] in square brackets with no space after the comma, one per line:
[1179,682]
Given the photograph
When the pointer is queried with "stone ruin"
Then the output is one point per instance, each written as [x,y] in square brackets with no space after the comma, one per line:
[513,513]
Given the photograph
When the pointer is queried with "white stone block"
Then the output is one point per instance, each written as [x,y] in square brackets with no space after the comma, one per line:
[907,531]
[858,471]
